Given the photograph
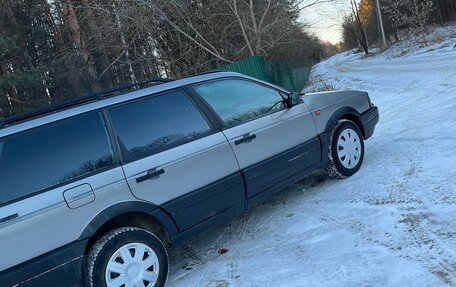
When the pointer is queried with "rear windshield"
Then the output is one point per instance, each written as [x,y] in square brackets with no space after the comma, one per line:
[53,155]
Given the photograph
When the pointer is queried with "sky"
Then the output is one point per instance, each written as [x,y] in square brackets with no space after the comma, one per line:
[324,20]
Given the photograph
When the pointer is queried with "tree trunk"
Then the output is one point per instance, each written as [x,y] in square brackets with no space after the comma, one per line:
[75,34]
[124,44]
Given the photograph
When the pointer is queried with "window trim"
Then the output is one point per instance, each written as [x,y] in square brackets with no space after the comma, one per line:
[126,159]
[112,136]
[115,164]
[220,121]
[207,110]
[1,149]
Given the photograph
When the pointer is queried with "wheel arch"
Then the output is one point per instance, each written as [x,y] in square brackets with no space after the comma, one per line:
[345,113]
[136,214]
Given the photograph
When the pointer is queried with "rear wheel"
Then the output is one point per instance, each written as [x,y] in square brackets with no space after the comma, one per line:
[346,150]
[127,257]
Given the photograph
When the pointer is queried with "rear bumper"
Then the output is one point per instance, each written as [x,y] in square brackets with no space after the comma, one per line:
[369,120]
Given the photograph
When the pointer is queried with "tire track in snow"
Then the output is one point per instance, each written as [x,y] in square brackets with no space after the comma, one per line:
[424,234]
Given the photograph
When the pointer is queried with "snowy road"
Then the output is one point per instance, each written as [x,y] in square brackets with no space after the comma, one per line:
[392,224]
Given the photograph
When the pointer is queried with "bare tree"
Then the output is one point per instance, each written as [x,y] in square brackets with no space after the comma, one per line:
[178,15]
[410,13]
[355,25]
[260,25]
[52,50]
[266,24]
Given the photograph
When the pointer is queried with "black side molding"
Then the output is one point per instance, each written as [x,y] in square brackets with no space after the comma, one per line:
[60,267]
[195,207]
[210,223]
[261,176]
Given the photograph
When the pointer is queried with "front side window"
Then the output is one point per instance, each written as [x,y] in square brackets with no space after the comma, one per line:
[237,101]
[151,125]
[52,155]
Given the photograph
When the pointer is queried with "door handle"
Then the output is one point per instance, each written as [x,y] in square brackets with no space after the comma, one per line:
[8,218]
[151,174]
[245,139]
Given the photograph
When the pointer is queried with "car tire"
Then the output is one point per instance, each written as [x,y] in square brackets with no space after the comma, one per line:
[346,150]
[128,255]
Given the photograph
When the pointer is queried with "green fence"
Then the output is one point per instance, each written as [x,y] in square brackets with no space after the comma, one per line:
[293,79]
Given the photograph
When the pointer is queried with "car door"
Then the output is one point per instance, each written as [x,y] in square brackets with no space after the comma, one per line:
[173,158]
[271,142]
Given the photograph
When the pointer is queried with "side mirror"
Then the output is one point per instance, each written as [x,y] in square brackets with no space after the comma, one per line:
[293,99]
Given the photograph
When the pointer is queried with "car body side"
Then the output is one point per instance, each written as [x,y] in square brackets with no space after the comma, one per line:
[114,204]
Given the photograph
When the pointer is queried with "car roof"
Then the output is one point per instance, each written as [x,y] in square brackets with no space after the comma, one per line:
[87,104]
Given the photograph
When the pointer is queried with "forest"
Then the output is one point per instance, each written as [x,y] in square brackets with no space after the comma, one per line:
[55,50]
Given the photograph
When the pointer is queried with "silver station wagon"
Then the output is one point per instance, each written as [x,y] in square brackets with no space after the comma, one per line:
[93,192]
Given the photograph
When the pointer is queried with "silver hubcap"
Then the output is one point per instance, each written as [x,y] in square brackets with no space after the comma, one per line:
[349,148]
[132,265]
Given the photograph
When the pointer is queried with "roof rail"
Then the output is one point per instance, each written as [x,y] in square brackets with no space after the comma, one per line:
[210,72]
[78,101]
[105,94]
[203,73]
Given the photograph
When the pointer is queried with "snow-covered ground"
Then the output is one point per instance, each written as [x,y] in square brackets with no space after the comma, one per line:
[391,224]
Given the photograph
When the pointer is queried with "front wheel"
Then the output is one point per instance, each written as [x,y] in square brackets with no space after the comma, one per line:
[346,150]
[127,256]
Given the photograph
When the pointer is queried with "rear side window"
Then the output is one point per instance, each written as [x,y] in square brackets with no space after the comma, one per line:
[53,155]
[151,125]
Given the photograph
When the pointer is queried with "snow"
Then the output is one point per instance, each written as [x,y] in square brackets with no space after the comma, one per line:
[391,224]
